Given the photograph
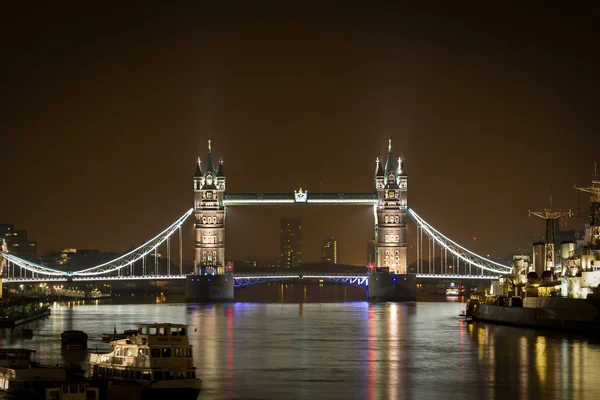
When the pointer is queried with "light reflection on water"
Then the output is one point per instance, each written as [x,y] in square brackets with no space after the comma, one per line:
[345,350]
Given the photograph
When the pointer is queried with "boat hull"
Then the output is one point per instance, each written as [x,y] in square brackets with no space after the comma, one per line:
[142,390]
[541,318]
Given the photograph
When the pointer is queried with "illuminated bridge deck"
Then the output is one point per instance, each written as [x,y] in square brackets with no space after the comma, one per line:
[240,278]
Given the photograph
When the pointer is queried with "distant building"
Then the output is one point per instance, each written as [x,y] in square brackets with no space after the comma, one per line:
[371,256]
[18,243]
[329,250]
[71,260]
[257,263]
[291,242]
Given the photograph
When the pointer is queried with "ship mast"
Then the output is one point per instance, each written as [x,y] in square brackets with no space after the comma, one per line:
[594,191]
[550,216]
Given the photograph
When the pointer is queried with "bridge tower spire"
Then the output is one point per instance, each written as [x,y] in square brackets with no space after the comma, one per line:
[390,226]
[209,215]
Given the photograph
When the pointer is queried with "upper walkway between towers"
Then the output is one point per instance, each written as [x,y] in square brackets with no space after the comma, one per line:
[300,196]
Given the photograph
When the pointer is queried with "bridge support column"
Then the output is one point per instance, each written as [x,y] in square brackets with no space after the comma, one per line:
[209,288]
[384,286]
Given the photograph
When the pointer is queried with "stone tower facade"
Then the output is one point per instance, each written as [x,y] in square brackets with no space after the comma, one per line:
[209,216]
[390,229]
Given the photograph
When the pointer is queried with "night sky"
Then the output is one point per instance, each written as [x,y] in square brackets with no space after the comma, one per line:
[104,110]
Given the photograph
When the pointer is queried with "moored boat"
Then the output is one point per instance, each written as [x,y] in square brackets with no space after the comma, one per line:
[155,363]
[22,377]
[558,290]
[74,340]
[111,337]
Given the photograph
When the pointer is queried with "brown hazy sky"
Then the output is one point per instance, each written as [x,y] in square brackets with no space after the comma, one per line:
[105,108]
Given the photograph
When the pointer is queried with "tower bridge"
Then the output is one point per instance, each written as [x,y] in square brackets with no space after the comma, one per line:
[213,278]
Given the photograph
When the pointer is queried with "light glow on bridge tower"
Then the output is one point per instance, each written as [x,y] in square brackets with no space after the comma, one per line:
[209,215]
[391,184]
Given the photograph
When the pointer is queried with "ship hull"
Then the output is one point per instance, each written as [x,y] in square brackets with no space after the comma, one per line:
[139,390]
[540,318]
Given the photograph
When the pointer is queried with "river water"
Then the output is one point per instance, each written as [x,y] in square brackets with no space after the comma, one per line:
[351,350]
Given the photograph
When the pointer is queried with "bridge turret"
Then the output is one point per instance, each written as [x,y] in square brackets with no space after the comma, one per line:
[198,176]
[402,184]
[221,176]
[379,175]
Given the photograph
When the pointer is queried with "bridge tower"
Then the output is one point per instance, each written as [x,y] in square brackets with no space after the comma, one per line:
[210,281]
[209,216]
[391,184]
[390,281]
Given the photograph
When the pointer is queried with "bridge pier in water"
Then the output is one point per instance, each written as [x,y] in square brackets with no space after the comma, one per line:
[209,288]
[384,286]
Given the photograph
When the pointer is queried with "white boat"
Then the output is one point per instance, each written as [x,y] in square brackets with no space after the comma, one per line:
[156,362]
[21,376]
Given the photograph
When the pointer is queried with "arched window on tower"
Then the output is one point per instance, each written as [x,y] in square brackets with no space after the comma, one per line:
[203,220]
[387,219]
[397,219]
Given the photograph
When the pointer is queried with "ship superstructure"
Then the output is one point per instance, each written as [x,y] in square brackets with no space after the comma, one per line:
[158,358]
[559,290]
[570,271]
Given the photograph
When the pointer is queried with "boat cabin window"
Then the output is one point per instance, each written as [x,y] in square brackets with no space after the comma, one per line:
[155,352]
[153,331]
[158,375]
[166,352]
[162,331]
[143,352]
[174,332]
[143,331]
[15,355]
[146,376]
[182,352]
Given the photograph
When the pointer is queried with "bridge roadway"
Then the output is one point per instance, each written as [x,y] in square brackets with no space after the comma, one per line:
[349,278]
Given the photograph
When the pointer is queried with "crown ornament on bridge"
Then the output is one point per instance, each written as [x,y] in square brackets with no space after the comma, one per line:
[300,196]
